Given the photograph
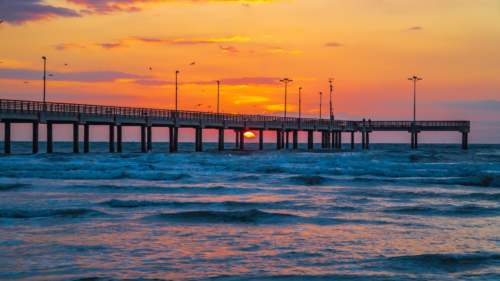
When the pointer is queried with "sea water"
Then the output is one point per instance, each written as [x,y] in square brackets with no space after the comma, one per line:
[388,213]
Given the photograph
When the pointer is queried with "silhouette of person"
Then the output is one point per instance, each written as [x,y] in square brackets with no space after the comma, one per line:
[369,122]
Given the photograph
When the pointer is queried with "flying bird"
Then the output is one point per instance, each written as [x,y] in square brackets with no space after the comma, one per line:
[198,105]
[192,63]
[25,82]
[51,74]
[209,106]
[65,64]
[151,68]
[1,21]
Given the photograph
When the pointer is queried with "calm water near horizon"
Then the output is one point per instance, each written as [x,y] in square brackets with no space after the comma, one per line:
[388,213]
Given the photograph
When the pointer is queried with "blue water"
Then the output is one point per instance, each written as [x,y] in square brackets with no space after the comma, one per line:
[388,213]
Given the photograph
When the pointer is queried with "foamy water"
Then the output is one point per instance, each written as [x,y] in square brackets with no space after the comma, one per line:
[388,213]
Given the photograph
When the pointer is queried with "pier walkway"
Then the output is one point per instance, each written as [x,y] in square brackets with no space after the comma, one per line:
[51,113]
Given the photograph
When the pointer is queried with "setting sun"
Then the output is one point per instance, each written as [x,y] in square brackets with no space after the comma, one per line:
[249,135]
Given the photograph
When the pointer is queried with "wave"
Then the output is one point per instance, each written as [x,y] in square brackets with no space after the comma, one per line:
[53,213]
[249,216]
[309,180]
[426,194]
[445,262]
[115,203]
[467,210]
[9,186]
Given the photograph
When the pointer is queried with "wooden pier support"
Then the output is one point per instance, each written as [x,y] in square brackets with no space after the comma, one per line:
[237,138]
[112,138]
[282,139]
[49,138]
[367,140]
[150,138]
[278,139]
[242,140]
[119,143]
[35,137]
[295,139]
[176,139]
[221,139]
[287,139]
[328,141]
[261,139]
[352,140]
[323,145]
[340,141]
[86,138]
[198,139]
[7,138]
[171,139]
[143,139]
[465,141]
[76,138]
[310,140]
[412,140]
[363,146]
[416,140]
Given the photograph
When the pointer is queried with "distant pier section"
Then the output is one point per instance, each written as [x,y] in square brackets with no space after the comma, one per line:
[53,113]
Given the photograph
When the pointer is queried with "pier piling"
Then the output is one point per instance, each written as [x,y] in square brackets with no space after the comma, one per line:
[221,139]
[143,139]
[278,139]
[49,138]
[352,140]
[36,130]
[76,138]
[242,140]
[150,138]
[171,138]
[310,143]
[7,138]
[86,138]
[111,138]
[295,139]
[340,140]
[119,145]
[261,139]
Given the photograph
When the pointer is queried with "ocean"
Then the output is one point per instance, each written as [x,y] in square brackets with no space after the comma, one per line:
[388,213]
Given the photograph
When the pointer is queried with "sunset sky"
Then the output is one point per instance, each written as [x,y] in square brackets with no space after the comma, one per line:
[369,47]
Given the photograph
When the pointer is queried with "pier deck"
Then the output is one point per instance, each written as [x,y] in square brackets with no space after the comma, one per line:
[50,113]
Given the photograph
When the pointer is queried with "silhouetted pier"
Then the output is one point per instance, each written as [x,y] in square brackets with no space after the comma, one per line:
[52,113]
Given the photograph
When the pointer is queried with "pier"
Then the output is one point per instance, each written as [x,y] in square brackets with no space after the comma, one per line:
[53,113]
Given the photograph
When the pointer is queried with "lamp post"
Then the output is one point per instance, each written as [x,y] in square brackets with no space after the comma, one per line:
[176,72]
[44,70]
[286,81]
[300,101]
[218,85]
[320,98]
[331,89]
[414,79]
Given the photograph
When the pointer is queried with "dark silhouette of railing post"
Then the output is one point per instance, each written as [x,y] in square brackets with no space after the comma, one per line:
[35,137]
[76,138]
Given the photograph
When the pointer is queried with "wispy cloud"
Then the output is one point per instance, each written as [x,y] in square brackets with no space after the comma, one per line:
[490,105]
[112,46]
[228,49]
[186,41]
[97,76]
[415,28]
[20,11]
[275,50]
[334,44]
[62,47]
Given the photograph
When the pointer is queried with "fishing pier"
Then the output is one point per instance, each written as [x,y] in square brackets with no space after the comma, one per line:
[53,113]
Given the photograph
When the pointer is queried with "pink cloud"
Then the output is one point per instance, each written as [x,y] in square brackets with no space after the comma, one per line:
[415,28]
[62,47]
[333,44]
[228,49]
[111,46]
[254,81]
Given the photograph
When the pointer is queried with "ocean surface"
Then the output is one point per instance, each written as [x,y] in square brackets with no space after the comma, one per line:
[388,213]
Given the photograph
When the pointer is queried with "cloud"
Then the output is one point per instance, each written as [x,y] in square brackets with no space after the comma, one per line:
[97,76]
[247,81]
[111,46]
[66,96]
[333,44]
[415,28]
[62,47]
[186,41]
[20,11]
[275,50]
[228,49]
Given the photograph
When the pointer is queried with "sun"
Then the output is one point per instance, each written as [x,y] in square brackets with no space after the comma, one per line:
[249,135]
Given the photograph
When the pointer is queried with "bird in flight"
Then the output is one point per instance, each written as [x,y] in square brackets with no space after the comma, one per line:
[26,82]
[151,68]
[198,105]
[66,64]
[1,21]
[192,63]
[209,106]
[51,74]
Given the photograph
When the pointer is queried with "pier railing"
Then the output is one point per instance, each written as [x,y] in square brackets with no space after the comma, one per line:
[70,109]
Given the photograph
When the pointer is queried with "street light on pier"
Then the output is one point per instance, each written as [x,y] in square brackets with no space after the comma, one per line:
[414,79]
[44,70]
[176,72]
[300,101]
[320,98]
[218,84]
[331,89]
[286,81]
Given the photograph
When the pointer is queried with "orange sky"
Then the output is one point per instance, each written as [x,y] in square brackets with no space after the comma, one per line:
[370,48]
